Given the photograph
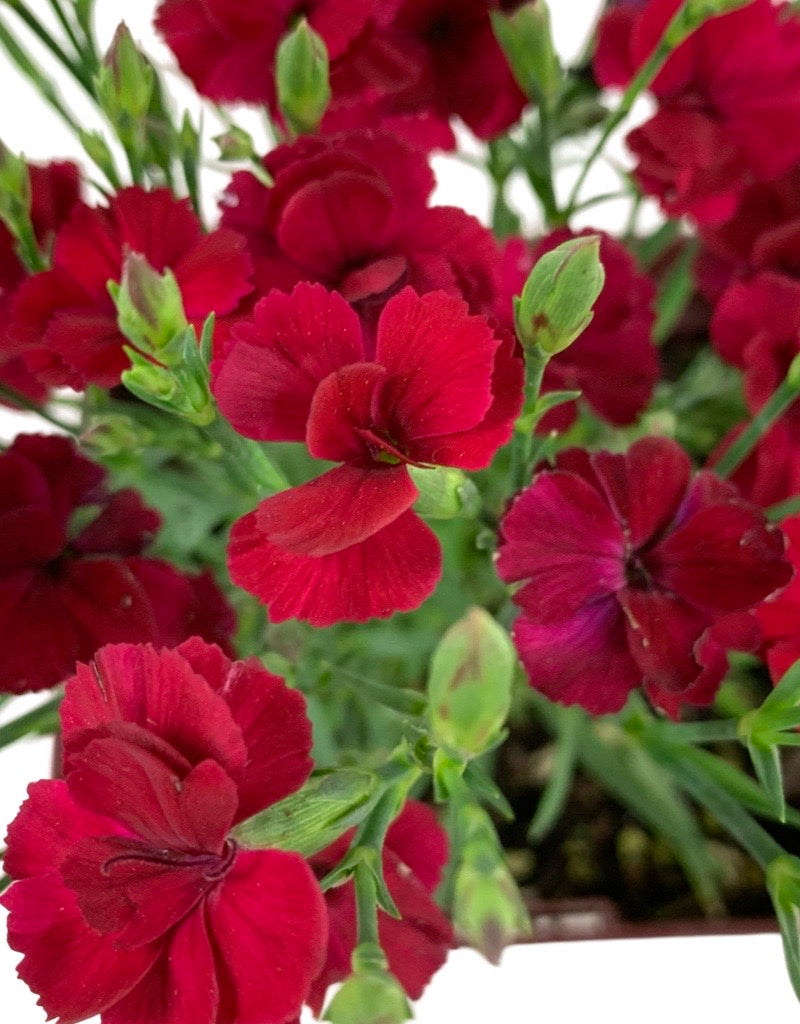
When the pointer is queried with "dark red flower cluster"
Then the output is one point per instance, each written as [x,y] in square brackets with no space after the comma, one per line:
[614,362]
[435,388]
[72,576]
[65,317]
[366,194]
[635,573]
[780,618]
[403,64]
[55,190]
[724,99]
[416,944]
[131,898]
[751,271]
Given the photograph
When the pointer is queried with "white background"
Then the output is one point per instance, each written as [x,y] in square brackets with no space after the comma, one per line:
[657,980]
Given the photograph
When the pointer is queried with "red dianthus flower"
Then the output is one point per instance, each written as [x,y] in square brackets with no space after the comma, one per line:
[725,96]
[366,194]
[437,388]
[55,190]
[780,619]
[416,945]
[132,899]
[65,316]
[72,576]
[635,573]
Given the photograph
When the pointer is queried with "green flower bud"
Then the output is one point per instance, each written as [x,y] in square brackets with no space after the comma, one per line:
[556,302]
[235,144]
[371,995]
[445,493]
[527,42]
[125,81]
[469,686]
[488,911]
[114,434]
[302,77]
[149,306]
[315,816]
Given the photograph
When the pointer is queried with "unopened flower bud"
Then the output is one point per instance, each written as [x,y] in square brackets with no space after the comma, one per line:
[556,302]
[125,81]
[235,144]
[371,995]
[444,493]
[469,686]
[488,911]
[527,42]
[149,305]
[302,77]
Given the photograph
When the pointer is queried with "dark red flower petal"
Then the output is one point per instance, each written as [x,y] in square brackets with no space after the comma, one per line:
[158,691]
[272,720]
[393,570]
[662,631]
[77,971]
[269,929]
[123,781]
[337,510]
[645,486]
[441,362]
[582,660]
[561,540]
[265,384]
[341,419]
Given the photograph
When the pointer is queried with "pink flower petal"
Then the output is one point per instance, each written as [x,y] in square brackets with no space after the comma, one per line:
[582,660]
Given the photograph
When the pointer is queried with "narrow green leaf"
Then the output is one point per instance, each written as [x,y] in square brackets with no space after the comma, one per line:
[674,294]
[553,799]
[767,764]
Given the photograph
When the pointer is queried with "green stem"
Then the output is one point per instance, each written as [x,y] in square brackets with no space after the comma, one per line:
[18,399]
[781,510]
[37,722]
[689,773]
[522,452]
[5,881]
[51,44]
[28,247]
[366,905]
[781,399]
[68,29]
[702,732]
[249,464]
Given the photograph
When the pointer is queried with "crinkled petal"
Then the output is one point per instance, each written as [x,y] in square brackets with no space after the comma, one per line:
[391,571]
[158,691]
[662,633]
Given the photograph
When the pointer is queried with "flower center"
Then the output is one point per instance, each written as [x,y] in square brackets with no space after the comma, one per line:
[636,575]
[214,866]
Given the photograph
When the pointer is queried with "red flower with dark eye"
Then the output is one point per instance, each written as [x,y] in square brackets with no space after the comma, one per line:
[66,317]
[635,573]
[723,97]
[366,195]
[614,362]
[436,388]
[55,190]
[132,899]
[72,576]
[416,945]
